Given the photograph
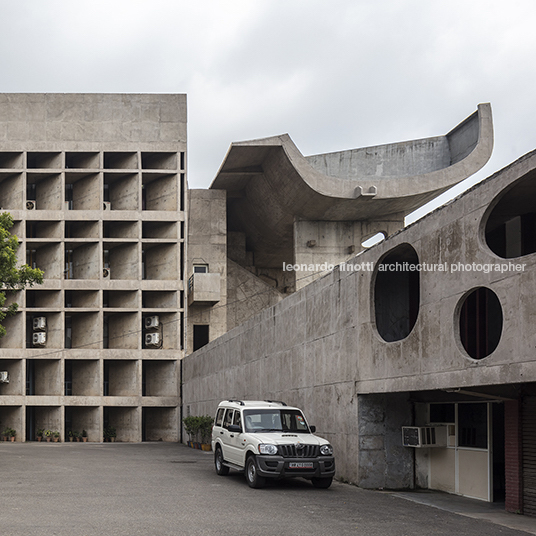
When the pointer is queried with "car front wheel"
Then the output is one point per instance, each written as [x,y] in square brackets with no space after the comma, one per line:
[221,469]
[253,478]
[323,483]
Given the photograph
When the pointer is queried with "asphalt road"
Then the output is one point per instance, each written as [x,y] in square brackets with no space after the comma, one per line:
[160,489]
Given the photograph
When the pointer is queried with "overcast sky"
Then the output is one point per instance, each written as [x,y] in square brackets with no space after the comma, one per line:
[334,75]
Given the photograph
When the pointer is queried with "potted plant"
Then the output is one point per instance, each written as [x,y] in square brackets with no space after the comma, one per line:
[39,434]
[205,431]
[84,436]
[76,435]
[71,436]
[55,436]
[48,435]
[191,425]
[110,434]
[9,434]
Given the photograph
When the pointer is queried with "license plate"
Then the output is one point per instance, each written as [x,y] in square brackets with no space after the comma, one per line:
[300,465]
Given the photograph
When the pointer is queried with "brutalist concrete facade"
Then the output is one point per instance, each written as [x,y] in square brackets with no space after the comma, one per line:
[96,185]
[431,329]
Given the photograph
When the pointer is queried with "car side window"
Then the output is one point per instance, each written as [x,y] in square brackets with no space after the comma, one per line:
[219,416]
[228,419]
[237,419]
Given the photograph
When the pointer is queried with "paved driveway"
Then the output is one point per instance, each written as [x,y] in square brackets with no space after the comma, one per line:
[157,489]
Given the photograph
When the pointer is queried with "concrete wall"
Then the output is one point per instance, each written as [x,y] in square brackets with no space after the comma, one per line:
[320,242]
[247,294]
[320,349]
[207,244]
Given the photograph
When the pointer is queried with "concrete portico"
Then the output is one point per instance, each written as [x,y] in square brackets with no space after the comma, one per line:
[270,184]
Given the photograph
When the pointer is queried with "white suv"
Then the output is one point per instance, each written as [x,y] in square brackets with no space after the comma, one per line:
[269,440]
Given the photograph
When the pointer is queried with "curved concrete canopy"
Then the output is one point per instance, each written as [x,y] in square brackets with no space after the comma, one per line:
[270,183]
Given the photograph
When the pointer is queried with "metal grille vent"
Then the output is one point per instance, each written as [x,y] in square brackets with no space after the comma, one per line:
[298,451]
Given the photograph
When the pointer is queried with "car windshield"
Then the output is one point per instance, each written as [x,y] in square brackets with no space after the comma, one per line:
[275,420]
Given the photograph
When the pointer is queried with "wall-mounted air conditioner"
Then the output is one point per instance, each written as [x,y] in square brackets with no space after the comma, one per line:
[152,340]
[4,376]
[424,436]
[152,322]
[107,205]
[40,323]
[31,205]
[39,338]
[106,273]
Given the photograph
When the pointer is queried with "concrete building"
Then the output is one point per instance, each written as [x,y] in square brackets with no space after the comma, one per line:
[270,208]
[414,357]
[96,185]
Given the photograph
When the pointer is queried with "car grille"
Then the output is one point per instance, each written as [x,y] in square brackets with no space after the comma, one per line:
[292,451]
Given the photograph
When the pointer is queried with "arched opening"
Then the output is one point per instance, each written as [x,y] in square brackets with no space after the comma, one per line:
[481,321]
[511,225]
[396,293]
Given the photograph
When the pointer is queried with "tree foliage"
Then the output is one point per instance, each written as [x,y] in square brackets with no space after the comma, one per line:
[12,278]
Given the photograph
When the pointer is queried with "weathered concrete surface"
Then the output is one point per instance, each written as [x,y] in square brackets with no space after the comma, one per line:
[320,349]
[271,184]
[163,489]
[207,227]
[247,294]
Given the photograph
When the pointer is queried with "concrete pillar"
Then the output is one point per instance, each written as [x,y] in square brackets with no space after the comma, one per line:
[513,456]
[383,461]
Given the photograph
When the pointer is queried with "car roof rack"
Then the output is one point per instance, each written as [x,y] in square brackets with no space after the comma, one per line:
[237,402]
[276,402]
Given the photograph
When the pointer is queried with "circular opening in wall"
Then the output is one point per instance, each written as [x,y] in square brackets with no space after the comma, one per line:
[511,225]
[396,293]
[481,322]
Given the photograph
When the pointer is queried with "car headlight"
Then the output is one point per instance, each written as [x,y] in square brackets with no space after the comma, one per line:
[326,450]
[267,449]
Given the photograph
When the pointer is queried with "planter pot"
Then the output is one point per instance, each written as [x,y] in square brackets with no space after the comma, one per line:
[84,440]
[49,439]
[55,439]
[206,447]
[71,439]
[13,439]
[39,438]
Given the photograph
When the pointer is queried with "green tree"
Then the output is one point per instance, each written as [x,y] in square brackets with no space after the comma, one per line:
[11,277]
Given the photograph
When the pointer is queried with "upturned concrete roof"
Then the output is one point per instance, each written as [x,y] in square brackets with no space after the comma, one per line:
[270,183]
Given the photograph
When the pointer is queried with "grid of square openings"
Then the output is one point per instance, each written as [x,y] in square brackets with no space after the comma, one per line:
[110,180]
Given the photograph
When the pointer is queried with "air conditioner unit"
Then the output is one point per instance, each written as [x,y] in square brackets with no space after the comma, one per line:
[39,338]
[106,205]
[40,323]
[106,273]
[152,339]
[424,436]
[4,376]
[31,205]
[151,322]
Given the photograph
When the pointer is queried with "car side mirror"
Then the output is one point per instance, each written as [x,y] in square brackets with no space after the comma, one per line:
[313,429]
[234,429]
